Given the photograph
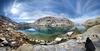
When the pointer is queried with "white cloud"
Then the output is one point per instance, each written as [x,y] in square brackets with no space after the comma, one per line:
[81,20]
[31,10]
[31,17]
[39,14]
[31,21]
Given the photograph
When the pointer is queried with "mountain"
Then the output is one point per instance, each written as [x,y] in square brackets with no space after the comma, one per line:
[7,26]
[7,21]
[8,31]
[50,24]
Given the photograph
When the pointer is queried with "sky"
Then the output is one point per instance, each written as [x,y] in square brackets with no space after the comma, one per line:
[31,10]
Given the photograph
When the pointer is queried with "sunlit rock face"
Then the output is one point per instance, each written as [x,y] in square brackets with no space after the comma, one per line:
[92,22]
[51,24]
[93,33]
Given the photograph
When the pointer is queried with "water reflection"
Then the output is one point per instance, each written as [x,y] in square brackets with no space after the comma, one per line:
[52,30]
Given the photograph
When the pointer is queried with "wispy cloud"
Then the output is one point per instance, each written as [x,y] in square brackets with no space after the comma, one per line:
[76,10]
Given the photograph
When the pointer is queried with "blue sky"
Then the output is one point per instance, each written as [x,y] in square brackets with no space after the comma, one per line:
[31,10]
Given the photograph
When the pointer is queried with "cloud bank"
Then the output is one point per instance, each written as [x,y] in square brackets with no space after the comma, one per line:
[31,10]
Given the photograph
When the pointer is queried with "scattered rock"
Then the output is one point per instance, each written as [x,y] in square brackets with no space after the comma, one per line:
[58,39]
[8,32]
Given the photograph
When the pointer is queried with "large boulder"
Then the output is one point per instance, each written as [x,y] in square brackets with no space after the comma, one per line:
[93,33]
[51,24]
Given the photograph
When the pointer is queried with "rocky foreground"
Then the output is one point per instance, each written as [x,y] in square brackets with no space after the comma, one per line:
[9,37]
[70,45]
[11,40]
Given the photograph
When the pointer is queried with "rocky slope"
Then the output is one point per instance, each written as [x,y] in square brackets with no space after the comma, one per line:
[93,33]
[70,45]
[7,21]
[53,24]
[14,24]
[92,22]
[8,33]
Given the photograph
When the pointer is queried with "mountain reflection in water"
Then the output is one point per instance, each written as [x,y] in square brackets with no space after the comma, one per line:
[32,33]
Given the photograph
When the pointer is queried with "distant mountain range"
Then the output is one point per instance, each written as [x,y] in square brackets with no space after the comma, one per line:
[8,21]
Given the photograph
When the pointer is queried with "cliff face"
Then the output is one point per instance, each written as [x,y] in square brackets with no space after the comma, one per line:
[51,24]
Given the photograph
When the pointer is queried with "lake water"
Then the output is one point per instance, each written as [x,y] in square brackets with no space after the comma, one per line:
[32,33]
